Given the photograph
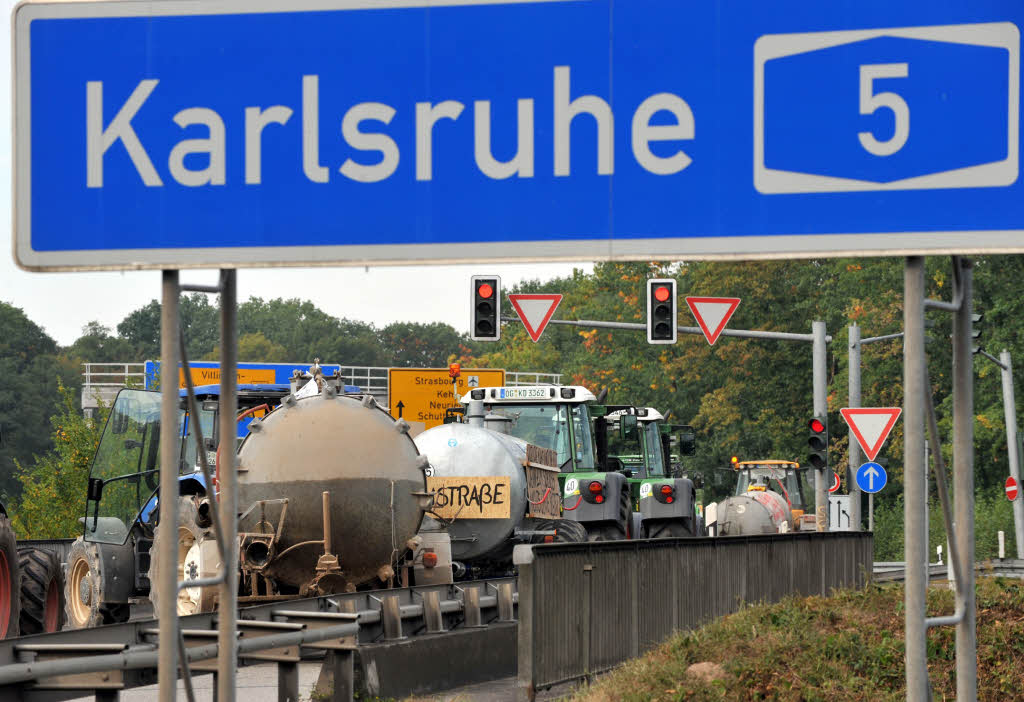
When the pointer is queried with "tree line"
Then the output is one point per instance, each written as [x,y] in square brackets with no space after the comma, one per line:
[748,398]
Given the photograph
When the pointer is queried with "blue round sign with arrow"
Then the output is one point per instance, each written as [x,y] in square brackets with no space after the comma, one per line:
[871,477]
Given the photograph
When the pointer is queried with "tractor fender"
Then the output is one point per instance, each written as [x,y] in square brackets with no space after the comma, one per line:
[681,506]
[585,511]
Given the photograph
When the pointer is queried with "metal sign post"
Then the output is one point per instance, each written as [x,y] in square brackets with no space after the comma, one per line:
[167,677]
[963,484]
[227,591]
[915,550]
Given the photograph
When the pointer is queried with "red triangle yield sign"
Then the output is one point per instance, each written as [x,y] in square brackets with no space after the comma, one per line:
[712,314]
[535,311]
[871,426]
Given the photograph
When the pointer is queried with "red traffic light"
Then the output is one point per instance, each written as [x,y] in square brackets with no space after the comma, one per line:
[816,425]
[662,293]
[485,291]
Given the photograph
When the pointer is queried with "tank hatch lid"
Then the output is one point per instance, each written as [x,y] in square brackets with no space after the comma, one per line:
[518,394]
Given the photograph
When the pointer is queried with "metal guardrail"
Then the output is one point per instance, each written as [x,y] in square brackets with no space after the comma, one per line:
[585,608]
[895,571]
[102,381]
[70,663]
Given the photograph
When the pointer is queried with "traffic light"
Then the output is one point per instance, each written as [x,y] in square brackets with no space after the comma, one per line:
[486,308]
[817,442]
[975,333]
[661,311]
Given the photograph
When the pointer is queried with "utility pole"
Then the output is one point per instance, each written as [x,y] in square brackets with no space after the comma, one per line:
[853,383]
[1012,441]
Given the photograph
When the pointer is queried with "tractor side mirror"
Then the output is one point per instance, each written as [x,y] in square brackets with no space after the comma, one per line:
[628,427]
[687,440]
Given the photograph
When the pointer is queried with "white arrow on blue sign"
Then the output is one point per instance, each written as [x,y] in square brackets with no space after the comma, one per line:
[871,477]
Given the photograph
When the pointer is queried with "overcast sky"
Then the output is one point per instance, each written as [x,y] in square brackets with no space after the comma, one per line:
[62,303]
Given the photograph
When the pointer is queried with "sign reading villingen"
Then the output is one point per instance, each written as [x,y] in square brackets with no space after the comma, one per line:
[173,134]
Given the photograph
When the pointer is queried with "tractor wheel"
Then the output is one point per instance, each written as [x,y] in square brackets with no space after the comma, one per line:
[617,530]
[566,531]
[10,603]
[42,591]
[666,529]
[193,562]
[84,601]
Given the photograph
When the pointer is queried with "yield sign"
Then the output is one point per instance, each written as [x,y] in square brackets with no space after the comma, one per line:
[535,310]
[871,426]
[712,314]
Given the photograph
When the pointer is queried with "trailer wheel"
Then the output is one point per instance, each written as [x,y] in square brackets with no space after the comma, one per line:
[10,603]
[666,529]
[617,530]
[42,591]
[189,557]
[84,585]
[566,531]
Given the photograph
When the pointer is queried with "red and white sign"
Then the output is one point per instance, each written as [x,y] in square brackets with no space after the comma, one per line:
[1011,489]
[712,314]
[535,311]
[835,482]
[871,426]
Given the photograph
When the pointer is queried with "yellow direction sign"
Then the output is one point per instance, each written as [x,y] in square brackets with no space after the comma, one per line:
[211,376]
[423,394]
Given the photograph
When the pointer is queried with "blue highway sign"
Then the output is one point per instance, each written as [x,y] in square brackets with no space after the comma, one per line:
[871,477]
[176,135]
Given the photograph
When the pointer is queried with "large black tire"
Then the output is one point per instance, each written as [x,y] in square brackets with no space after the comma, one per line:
[189,533]
[10,603]
[566,531]
[85,602]
[667,529]
[617,530]
[42,591]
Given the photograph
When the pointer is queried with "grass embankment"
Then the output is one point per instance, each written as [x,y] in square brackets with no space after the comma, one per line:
[846,647]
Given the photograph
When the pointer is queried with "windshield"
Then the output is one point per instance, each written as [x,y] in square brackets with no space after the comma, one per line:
[791,484]
[653,450]
[547,426]
[190,459]
[127,460]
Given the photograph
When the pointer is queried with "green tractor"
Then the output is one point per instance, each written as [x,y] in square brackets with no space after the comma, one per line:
[640,444]
[597,488]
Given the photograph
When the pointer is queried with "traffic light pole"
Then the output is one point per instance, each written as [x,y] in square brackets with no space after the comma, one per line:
[853,383]
[820,398]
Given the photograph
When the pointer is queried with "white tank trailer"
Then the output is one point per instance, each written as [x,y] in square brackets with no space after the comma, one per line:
[334,489]
[754,512]
[468,457]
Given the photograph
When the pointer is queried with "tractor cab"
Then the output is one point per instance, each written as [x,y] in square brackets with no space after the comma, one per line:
[549,416]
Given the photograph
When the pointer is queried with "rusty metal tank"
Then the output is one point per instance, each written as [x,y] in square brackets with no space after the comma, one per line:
[361,457]
[460,450]
[755,512]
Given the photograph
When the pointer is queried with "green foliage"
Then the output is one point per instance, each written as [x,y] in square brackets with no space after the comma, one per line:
[53,486]
[992,513]
[30,371]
